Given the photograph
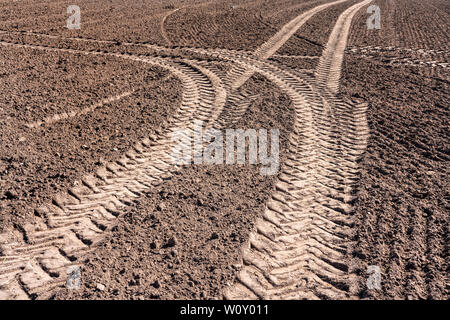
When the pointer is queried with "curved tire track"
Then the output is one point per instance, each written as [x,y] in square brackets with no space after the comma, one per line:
[74,222]
[163,29]
[328,71]
[298,248]
[65,115]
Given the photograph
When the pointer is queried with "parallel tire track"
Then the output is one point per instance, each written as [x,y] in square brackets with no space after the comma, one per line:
[434,59]
[66,115]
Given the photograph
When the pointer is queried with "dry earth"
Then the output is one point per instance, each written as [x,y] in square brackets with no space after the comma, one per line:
[86,177]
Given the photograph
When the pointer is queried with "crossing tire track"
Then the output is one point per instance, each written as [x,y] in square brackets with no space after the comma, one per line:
[299,245]
[71,114]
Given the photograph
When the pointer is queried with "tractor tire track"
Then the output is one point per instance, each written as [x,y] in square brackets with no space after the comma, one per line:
[430,63]
[75,221]
[66,115]
[238,76]
[299,246]
[163,29]
[328,71]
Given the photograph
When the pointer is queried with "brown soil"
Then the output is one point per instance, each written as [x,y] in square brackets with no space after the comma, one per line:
[402,208]
[183,238]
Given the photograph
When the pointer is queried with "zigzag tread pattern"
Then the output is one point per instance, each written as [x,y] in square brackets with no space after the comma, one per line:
[298,248]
